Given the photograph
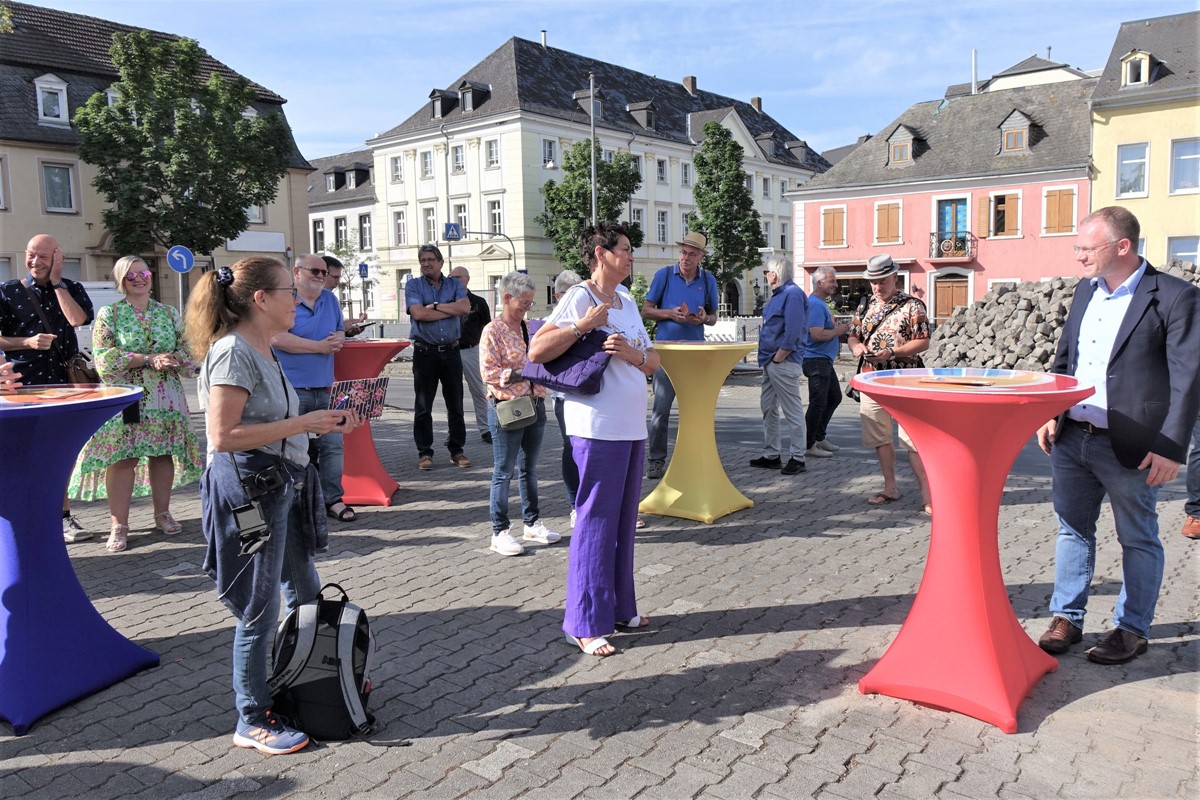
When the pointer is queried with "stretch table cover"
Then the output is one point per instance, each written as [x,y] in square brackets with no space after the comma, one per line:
[364,479]
[961,647]
[54,646]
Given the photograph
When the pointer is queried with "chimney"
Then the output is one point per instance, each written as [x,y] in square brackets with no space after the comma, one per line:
[689,83]
[974,71]
[543,38]
[756,102]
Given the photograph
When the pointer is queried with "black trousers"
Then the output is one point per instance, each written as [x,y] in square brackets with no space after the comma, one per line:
[432,367]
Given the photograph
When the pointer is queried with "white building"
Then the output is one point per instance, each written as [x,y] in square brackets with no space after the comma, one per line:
[341,211]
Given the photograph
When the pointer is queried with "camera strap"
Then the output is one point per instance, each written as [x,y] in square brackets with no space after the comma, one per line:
[287,413]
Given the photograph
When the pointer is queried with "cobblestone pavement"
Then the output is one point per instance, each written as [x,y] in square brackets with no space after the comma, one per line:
[744,685]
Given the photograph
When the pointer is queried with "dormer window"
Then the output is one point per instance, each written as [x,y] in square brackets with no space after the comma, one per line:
[1014,140]
[1135,68]
[351,180]
[901,153]
[330,182]
[901,146]
[443,102]
[644,113]
[581,97]
[52,100]
[472,94]
[1014,134]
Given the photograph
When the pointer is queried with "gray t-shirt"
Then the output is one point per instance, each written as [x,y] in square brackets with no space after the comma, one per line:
[231,361]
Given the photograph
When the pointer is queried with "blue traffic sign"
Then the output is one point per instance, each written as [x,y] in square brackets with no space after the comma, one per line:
[180,259]
[362,270]
[453,232]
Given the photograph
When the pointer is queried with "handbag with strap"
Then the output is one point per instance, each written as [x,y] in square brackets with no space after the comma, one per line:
[577,371]
[519,412]
[79,368]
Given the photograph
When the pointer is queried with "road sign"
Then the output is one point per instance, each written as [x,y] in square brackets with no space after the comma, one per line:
[362,270]
[180,259]
[453,232]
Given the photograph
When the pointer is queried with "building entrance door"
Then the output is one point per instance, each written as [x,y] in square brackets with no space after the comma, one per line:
[948,293]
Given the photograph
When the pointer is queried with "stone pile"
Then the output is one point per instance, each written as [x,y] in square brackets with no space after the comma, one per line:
[1014,326]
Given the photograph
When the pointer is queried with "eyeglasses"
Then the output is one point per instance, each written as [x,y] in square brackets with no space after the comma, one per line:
[523,303]
[1090,250]
[144,274]
[320,273]
[291,289]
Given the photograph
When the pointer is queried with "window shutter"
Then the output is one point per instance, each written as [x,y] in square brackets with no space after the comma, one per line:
[827,227]
[891,228]
[1058,211]
[982,216]
[1052,217]
[1011,220]
[832,227]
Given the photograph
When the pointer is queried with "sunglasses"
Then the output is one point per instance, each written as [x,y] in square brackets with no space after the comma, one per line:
[133,274]
[320,273]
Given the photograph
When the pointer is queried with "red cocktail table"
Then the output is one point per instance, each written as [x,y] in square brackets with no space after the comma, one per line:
[364,480]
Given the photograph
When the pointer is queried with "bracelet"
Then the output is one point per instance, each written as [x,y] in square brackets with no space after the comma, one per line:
[644,359]
[575,329]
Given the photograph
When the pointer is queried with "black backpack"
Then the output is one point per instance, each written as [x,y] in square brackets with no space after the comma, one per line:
[323,655]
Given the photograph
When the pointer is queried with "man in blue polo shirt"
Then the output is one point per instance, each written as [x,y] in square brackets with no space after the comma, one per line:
[820,351]
[682,299]
[306,354]
[436,305]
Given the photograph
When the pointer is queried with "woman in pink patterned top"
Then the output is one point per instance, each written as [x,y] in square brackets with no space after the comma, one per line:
[501,358]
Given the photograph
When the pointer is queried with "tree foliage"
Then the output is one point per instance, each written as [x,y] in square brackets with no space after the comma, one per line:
[569,204]
[725,207]
[176,158]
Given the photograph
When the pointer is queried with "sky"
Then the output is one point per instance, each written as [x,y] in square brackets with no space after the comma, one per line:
[827,70]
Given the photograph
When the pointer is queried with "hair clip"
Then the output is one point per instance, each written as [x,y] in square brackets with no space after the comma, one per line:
[225,276]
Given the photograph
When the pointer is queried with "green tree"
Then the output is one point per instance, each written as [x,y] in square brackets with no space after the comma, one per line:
[177,159]
[725,207]
[351,255]
[569,204]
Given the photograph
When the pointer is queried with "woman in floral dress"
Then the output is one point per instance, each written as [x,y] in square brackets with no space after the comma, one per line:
[139,341]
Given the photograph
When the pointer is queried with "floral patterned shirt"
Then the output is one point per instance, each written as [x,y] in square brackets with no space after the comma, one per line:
[502,350]
[906,324]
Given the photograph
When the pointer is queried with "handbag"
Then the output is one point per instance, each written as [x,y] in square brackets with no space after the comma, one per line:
[79,367]
[580,370]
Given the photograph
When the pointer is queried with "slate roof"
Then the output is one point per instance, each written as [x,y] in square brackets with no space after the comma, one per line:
[523,75]
[1034,63]
[75,48]
[1173,40]
[959,138]
[363,193]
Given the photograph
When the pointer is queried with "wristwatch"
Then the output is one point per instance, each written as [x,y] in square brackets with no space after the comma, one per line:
[435,306]
[59,285]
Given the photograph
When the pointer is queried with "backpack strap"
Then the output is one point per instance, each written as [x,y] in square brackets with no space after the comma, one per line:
[306,637]
[347,629]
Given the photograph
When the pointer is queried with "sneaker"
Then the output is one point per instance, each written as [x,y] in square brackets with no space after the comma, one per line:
[425,463]
[73,531]
[504,544]
[460,460]
[793,467]
[269,736]
[538,532]
[816,452]
[654,470]
[766,463]
[572,519]
[825,444]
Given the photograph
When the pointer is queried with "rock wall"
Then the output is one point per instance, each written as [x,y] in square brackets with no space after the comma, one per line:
[1015,326]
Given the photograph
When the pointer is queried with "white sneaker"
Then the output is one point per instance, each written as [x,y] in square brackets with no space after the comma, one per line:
[504,544]
[816,452]
[73,531]
[827,445]
[572,519]
[538,532]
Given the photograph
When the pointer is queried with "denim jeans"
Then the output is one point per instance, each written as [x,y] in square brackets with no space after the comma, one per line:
[824,396]
[328,448]
[781,389]
[1192,506]
[660,417]
[1084,471]
[252,641]
[518,450]
[570,471]
[431,368]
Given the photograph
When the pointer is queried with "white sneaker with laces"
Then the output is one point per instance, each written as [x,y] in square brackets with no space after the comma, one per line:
[73,531]
[538,532]
[816,452]
[504,544]
[827,445]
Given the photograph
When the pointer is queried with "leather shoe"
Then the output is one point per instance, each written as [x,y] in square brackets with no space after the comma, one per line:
[1191,527]
[764,462]
[1118,647]
[1059,637]
[793,467]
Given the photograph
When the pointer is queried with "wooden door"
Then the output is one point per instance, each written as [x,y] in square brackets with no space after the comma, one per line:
[948,294]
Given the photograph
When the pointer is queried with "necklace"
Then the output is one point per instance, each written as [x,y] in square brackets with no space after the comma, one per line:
[603,293]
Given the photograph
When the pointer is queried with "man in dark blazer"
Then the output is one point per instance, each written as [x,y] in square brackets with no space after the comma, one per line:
[1134,333]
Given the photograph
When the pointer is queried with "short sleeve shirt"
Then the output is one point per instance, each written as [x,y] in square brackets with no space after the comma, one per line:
[668,289]
[313,370]
[906,324]
[420,292]
[18,317]
[819,316]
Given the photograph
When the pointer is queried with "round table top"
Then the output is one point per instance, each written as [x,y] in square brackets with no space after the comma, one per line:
[709,346]
[359,341]
[969,381]
[64,395]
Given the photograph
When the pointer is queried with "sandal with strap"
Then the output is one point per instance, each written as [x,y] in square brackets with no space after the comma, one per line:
[167,524]
[118,539]
[346,514]
[638,621]
[592,647]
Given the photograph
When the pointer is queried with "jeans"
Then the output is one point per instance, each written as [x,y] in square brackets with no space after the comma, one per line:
[1192,506]
[660,417]
[431,368]
[517,449]
[824,396]
[570,471]
[479,399]
[252,641]
[326,451]
[1084,470]
[781,389]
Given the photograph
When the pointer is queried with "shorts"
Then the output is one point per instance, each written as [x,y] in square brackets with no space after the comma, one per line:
[877,426]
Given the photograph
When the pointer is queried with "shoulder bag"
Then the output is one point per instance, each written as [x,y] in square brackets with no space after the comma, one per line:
[577,371]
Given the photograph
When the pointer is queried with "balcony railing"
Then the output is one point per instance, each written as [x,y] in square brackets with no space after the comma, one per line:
[959,245]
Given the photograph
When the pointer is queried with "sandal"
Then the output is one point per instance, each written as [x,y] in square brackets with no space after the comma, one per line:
[638,621]
[592,647]
[345,514]
[118,539]
[882,499]
[167,524]
[641,523]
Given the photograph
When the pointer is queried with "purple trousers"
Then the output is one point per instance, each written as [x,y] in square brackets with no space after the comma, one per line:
[600,569]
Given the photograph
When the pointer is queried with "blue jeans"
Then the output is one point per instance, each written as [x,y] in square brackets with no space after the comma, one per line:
[329,448]
[432,368]
[507,446]
[570,471]
[660,417]
[824,396]
[1192,506]
[1085,470]
[252,641]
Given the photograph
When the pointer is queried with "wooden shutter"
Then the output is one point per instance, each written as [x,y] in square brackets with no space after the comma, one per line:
[1059,205]
[1011,222]
[887,223]
[983,216]
[833,227]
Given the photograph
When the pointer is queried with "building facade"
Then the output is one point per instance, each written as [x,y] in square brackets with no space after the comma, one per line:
[341,213]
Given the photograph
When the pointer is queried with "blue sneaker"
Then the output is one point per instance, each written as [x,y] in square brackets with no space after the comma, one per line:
[270,736]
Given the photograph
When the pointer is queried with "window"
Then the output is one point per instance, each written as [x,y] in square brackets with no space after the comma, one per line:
[318,235]
[549,152]
[901,152]
[340,231]
[1136,69]
[1014,140]
[1059,207]
[1185,166]
[113,96]
[256,215]
[663,227]
[58,188]
[635,216]
[767,188]
[766,231]
[637,165]
[749,182]
[607,156]
[351,179]
[684,225]
[495,216]
[6,269]
[330,182]
[460,216]
[833,226]
[783,188]
[491,149]
[52,100]
[397,169]
[431,231]
[365,239]
[1183,248]
[426,163]
[783,232]
[3,193]
[662,170]
[458,159]
[400,227]
[1000,215]
[1131,169]
[685,174]
[887,223]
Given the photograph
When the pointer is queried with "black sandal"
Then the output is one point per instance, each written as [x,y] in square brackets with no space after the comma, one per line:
[345,515]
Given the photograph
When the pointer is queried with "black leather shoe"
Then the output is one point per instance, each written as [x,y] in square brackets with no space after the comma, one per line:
[1119,647]
[793,467]
[486,436]
[766,463]
[1059,637]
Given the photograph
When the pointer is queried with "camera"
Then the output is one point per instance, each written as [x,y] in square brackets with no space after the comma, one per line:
[265,480]
[253,532]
